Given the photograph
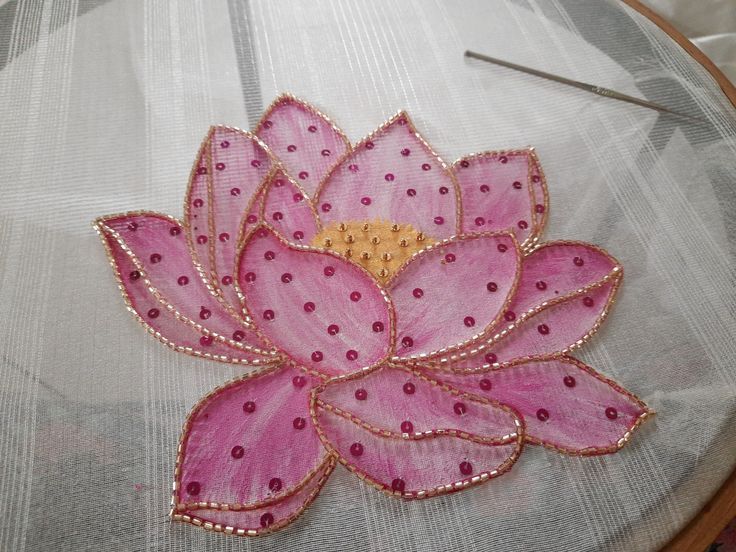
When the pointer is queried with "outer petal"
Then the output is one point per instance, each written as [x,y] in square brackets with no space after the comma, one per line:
[565,293]
[288,210]
[305,140]
[229,170]
[393,175]
[412,437]
[249,444]
[149,255]
[566,405]
[503,190]
[263,520]
[451,294]
[323,311]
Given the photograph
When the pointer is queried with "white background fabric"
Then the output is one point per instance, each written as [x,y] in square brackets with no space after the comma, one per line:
[103,106]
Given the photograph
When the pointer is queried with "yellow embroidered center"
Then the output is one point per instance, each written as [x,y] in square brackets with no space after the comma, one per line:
[381,247]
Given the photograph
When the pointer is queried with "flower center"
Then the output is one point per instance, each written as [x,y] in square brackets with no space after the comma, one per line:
[381,247]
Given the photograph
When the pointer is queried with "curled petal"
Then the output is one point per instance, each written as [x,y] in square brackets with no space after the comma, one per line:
[451,294]
[564,294]
[304,139]
[249,444]
[229,170]
[566,405]
[287,209]
[323,311]
[503,190]
[149,255]
[410,436]
[393,174]
[262,520]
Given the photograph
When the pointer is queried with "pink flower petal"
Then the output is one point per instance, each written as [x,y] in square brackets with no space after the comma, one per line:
[305,141]
[149,255]
[409,436]
[501,190]
[249,443]
[392,175]
[230,169]
[450,295]
[263,520]
[323,311]
[564,295]
[288,210]
[566,405]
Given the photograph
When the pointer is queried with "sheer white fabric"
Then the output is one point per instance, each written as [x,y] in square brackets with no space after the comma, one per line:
[103,107]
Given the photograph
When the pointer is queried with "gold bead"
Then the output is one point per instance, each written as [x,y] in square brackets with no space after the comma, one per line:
[395,228]
[350,238]
[375,240]
[420,236]
[327,242]
[403,243]
[386,256]
[348,252]
[365,255]
[366,227]
[342,227]
[383,273]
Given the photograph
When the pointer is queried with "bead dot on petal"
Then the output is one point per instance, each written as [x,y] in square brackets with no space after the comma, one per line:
[542,415]
[466,468]
[237,452]
[611,413]
[361,394]
[356,449]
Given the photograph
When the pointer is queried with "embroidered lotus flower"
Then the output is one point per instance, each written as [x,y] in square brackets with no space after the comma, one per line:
[408,322]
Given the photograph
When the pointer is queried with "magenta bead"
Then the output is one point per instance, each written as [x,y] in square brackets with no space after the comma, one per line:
[135,275]
[238,335]
[269,255]
[153,313]
[235,192]
[309,306]
[388,177]
[466,468]
[542,415]
[398,485]
[317,356]
[206,340]
[355,296]
[361,394]
[459,408]
[409,388]
[426,166]
[303,175]
[155,258]
[197,203]
[227,280]
[220,166]
[298,235]
[522,224]
[365,200]
[299,423]
[407,427]
[378,327]
[485,188]
[543,329]
[351,355]
[588,301]
[329,271]
[418,293]
[174,230]
[411,192]
[356,449]
[266,519]
[326,207]
[333,329]
[439,220]
[492,287]
[569,381]
[611,413]
[485,384]
[491,358]
[275,484]
[193,488]
[312,128]
[450,258]
[407,342]
[249,407]
[480,221]
[502,247]
[291,148]
[517,185]
[299,381]
[444,190]
[577,261]
[204,313]
[268,314]
[286,277]
[509,316]
[469,321]
[250,277]
[237,452]
[541,285]
[406,152]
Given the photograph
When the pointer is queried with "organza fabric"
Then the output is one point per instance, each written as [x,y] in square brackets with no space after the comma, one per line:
[105,105]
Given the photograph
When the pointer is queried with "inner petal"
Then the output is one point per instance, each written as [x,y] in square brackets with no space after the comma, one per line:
[379,246]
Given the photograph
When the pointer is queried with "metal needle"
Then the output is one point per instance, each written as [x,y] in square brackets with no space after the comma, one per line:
[599,90]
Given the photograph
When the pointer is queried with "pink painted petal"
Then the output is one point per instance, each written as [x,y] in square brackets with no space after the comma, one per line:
[263,520]
[409,436]
[305,141]
[564,295]
[392,175]
[500,191]
[249,443]
[566,405]
[451,294]
[230,169]
[288,210]
[323,311]
[150,257]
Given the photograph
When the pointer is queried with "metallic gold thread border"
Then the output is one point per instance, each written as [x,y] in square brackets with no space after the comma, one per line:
[321,251]
[517,438]
[375,134]
[177,506]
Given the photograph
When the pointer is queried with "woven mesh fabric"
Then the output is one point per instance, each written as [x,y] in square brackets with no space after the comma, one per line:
[104,105]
